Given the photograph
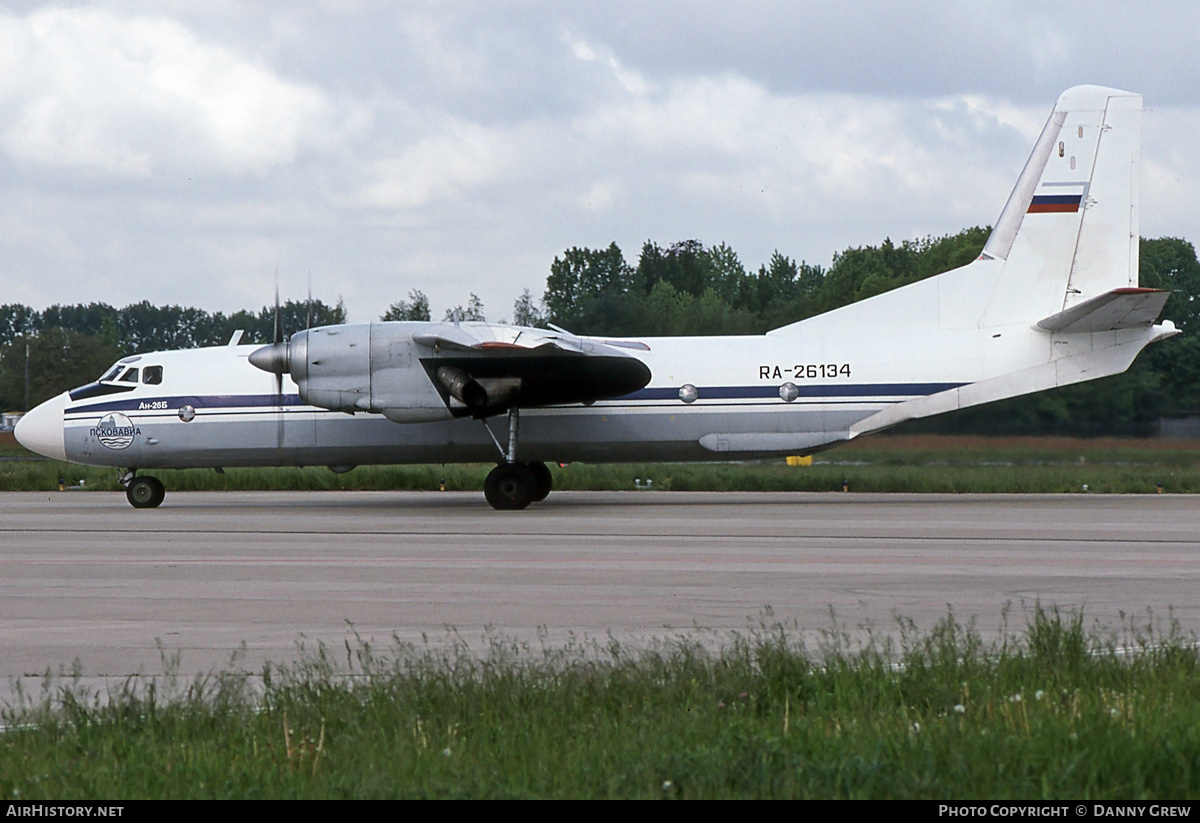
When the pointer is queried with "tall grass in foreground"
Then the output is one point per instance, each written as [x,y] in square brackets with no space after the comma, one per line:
[1052,712]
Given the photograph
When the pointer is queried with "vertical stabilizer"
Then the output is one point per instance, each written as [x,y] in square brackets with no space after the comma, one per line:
[1069,231]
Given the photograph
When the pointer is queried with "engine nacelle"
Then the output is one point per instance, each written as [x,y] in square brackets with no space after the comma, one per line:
[419,372]
[401,388]
[371,367]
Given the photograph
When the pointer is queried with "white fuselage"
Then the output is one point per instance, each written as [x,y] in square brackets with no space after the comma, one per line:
[1053,299]
[212,408]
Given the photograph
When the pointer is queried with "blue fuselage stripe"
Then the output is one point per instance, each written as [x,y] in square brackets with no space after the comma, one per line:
[818,390]
[268,402]
[220,401]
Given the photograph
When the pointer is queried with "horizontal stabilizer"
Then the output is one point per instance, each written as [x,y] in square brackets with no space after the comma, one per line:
[1117,309]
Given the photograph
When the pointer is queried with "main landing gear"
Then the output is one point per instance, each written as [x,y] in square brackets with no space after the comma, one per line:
[512,485]
[143,492]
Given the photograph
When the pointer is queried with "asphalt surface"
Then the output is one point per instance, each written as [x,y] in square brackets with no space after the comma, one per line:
[223,581]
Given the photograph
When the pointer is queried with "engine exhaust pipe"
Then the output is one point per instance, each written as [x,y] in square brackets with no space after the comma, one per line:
[462,387]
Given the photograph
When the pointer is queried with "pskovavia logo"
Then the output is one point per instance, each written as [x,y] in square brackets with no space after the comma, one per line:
[115,431]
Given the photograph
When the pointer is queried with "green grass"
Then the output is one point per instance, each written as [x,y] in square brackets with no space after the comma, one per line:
[877,464]
[1055,711]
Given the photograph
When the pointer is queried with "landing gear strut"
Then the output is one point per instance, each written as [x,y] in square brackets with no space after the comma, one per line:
[512,485]
[143,492]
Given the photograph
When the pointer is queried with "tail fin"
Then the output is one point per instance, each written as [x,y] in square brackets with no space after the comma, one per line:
[1068,233]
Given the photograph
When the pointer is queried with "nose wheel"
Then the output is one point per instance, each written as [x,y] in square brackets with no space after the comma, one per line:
[145,492]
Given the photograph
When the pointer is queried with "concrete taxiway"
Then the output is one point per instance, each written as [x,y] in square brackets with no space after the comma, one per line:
[87,582]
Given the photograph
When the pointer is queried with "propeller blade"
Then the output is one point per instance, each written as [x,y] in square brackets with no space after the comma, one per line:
[279,414]
[276,361]
[308,322]
[278,321]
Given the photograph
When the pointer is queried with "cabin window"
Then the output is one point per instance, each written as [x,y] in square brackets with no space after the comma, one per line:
[152,375]
[130,376]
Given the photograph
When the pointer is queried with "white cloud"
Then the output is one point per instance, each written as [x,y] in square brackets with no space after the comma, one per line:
[459,147]
[1170,173]
[439,167]
[727,144]
[717,158]
[129,96]
[628,80]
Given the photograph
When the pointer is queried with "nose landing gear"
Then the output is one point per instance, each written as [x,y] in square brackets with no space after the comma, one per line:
[143,492]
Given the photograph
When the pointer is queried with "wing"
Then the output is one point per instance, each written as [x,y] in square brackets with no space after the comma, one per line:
[419,372]
[489,368]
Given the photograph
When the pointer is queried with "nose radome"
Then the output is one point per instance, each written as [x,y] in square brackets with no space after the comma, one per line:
[41,429]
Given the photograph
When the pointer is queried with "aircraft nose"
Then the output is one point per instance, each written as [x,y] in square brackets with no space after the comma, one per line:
[41,429]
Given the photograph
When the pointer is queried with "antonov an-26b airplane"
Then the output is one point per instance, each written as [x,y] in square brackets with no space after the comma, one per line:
[1052,300]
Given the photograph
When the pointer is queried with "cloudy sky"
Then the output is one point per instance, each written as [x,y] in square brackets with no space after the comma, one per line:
[182,152]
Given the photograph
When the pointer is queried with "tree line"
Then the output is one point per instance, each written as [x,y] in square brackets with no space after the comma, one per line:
[681,289]
[688,288]
[67,346]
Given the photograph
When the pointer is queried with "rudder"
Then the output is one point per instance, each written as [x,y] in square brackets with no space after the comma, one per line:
[1069,232]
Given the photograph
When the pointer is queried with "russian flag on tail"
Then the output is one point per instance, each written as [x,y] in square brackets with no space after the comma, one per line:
[1058,198]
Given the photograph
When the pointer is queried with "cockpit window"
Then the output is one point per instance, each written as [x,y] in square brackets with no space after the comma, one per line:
[119,379]
[152,375]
